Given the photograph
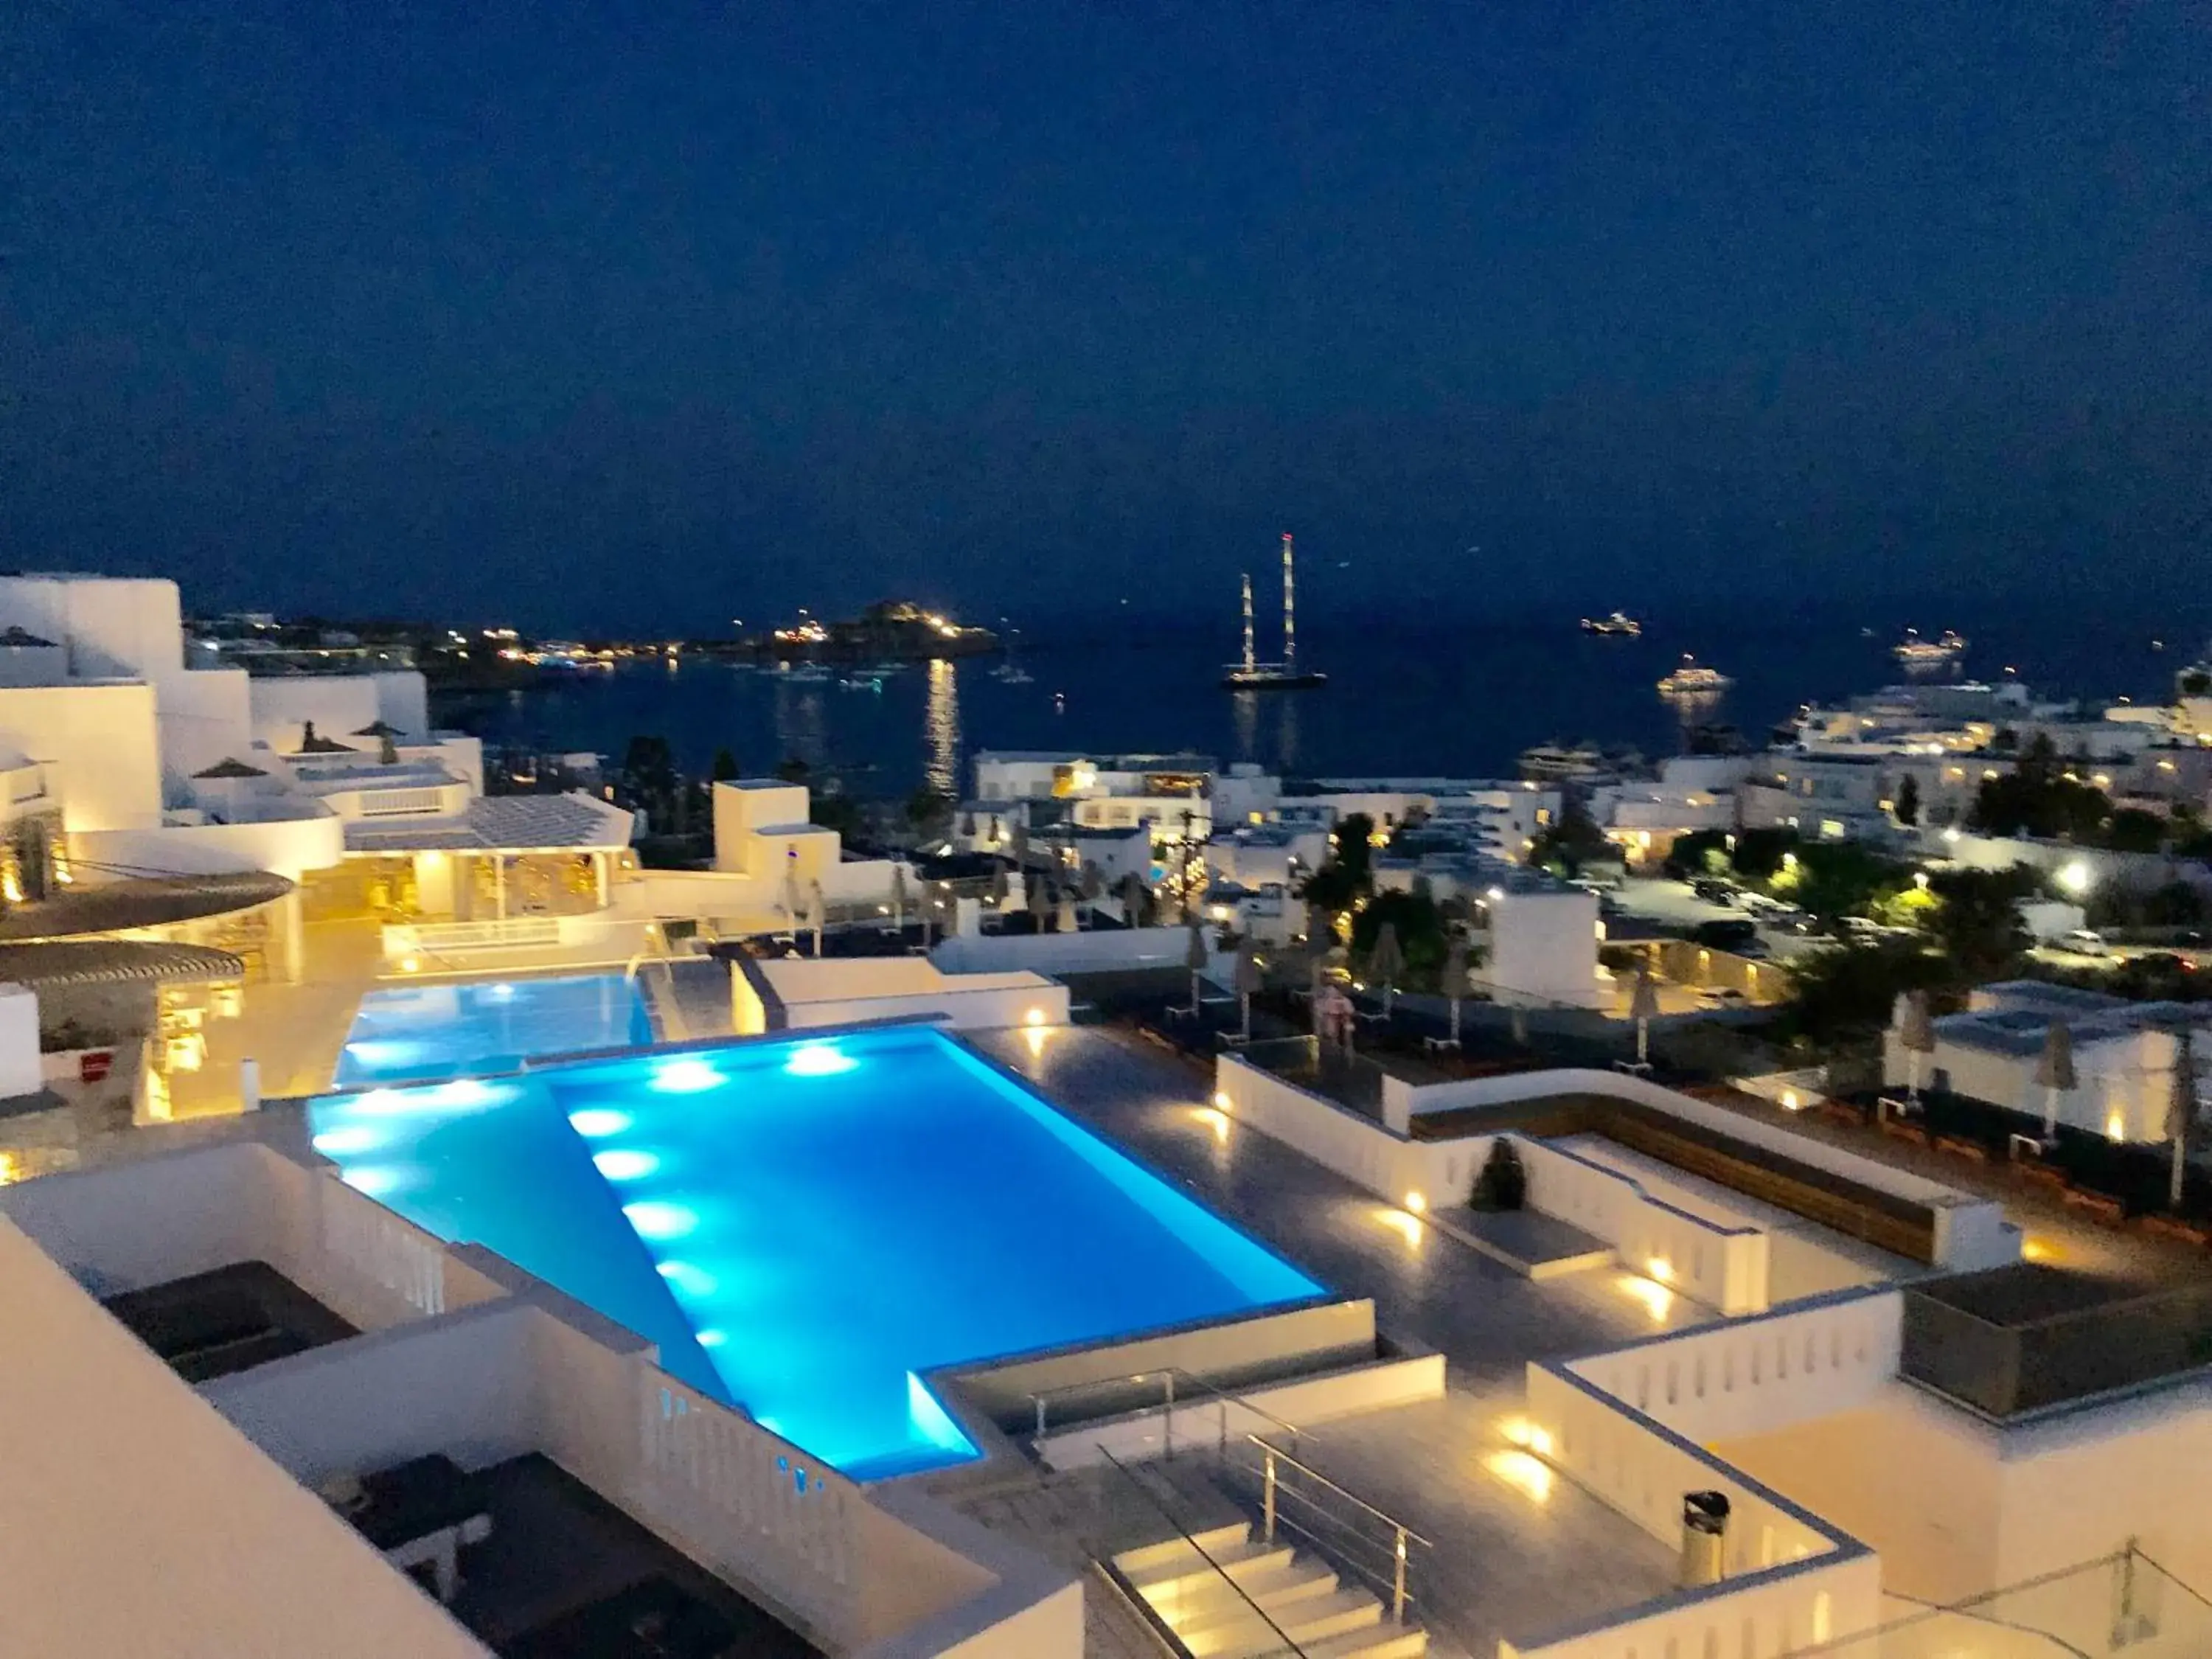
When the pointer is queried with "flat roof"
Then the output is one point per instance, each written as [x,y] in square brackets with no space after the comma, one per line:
[858,979]
[501,824]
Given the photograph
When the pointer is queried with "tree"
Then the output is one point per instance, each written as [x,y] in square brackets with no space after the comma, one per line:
[835,810]
[1570,843]
[2037,798]
[792,769]
[1908,801]
[2134,830]
[1849,991]
[725,767]
[1418,925]
[1977,921]
[1353,847]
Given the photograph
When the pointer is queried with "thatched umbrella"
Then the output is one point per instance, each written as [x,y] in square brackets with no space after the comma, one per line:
[1643,1008]
[2054,1072]
[1916,1035]
[1455,972]
[1249,981]
[386,734]
[2181,1108]
[1387,961]
[1195,958]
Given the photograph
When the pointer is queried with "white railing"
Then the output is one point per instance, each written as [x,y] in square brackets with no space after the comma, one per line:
[442,938]
[395,803]
[381,1250]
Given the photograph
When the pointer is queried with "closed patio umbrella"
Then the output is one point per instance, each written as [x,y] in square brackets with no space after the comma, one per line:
[1455,971]
[2181,1108]
[1387,961]
[1195,958]
[1249,981]
[1643,1008]
[1916,1035]
[2054,1071]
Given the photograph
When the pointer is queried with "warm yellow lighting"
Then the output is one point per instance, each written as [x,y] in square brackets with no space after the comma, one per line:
[1658,1301]
[1036,1037]
[2116,1126]
[13,1169]
[1790,860]
[1527,1474]
[1418,1203]
[2076,877]
[1217,1121]
[1408,1226]
[408,964]
[1034,1016]
[1529,1436]
[1660,1269]
[1221,1099]
[1791,1101]
[2036,1247]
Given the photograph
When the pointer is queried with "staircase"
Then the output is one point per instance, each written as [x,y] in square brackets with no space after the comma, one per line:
[1187,1583]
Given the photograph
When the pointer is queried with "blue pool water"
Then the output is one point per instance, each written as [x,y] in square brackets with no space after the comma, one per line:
[423,1032]
[804,1225]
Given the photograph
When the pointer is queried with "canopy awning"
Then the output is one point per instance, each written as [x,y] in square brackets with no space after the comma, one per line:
[114,962]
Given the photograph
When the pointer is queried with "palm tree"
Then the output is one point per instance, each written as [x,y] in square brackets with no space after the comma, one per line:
[1249,981]
[2054,1072]
[1386,962]
[1642,1008]
[1455,971]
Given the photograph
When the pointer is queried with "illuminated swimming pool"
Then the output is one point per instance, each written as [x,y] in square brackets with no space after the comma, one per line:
[420,1032]
[804,1226]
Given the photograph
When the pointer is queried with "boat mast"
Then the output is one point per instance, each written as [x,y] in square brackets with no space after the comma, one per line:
[1290,612]
[1249,663]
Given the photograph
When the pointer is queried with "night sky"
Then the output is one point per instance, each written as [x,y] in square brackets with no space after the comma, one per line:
[647,316]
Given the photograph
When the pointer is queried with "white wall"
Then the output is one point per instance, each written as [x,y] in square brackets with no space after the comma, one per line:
[134,1520]
[340,705]
[21,1071]
[1103,950]
[288,847]
[1543,949]
[1359,1148]
[1724,1267]
[964,1009]
[103,746]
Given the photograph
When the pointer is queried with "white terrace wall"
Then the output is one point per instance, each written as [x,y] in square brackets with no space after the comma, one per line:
[1359,1148]
[126,1226]
[1105,950]
[1631,1427]
[1723,1267]
[965,1008]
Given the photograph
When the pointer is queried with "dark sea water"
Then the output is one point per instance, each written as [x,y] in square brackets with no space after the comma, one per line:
[1404,698]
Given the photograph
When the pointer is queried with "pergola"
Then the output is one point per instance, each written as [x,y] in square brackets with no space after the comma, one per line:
[501,828]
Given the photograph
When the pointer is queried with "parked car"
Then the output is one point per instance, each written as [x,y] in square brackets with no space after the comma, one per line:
[1732,934]
[2084,942]
[1713,890]
[1723,996]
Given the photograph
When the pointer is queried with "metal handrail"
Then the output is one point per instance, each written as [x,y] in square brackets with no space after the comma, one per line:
[1273,1491]
[1168,1376]
[1200,1551]
[1357,1502]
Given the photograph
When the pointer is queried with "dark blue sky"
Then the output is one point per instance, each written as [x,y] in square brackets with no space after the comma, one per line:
[650,315]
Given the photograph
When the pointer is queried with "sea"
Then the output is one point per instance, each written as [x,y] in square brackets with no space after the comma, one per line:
[1404,698]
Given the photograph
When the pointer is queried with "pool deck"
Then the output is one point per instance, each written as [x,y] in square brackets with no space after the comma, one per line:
[1517,1552]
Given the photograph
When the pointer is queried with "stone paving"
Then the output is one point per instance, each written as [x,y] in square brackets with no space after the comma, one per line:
[1516,1551]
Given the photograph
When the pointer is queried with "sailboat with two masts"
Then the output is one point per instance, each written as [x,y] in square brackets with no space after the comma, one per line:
[1253,675]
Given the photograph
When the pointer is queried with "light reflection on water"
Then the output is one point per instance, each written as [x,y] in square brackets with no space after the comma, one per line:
[941,730]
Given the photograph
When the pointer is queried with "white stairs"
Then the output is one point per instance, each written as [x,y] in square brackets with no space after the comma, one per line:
[1302,1596]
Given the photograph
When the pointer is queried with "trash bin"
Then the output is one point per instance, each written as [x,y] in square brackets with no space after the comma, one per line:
[1705,1537]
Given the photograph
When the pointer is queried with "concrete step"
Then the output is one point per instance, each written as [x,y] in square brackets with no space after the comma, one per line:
[1135,1563]
[1243,1559]
[1250,1636]
[1383,1641]
[1191,1605]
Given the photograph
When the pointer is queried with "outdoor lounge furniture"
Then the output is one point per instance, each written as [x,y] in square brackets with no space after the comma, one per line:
[421,1513]
[214,1324]
[654,1618]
